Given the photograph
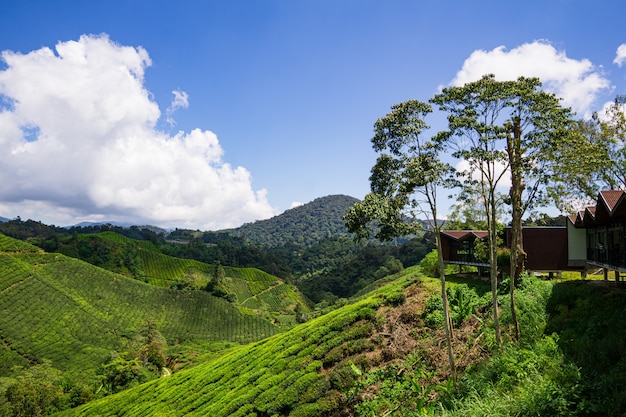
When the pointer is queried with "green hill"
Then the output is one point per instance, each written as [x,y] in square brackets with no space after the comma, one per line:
[298,373]
[75,314]
[385,355]
[303,225]
[381,354]
[250,289]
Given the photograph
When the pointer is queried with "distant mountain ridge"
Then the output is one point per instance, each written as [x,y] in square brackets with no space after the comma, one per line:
[303,225]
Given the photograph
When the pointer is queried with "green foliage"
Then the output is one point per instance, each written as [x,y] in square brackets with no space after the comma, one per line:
[154,344]
[462,300]
[430,265]
[395,299]
[433,312]
[503,259]
[36,392]
[530,301]
[518,381]
[372,263]
[121,372]
[399,388]
[72,313]
[589,319]
[297,373]
[304,225]
[583,169]
[22,230]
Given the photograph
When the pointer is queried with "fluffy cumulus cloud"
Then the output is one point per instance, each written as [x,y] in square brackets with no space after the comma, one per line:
[577,82]
[79,141]
[620,55]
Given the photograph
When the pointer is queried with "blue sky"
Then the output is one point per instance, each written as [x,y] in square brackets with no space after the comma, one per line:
[232,111]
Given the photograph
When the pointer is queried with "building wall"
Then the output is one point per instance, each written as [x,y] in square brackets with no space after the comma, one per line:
[546,248]
[576,246]
[445,248]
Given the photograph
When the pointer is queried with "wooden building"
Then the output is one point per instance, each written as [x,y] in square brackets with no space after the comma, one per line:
[605,231]
[594,237]
[458,247]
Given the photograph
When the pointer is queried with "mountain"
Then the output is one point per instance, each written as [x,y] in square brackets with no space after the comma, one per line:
[3,219]
[303,225]
[91,224]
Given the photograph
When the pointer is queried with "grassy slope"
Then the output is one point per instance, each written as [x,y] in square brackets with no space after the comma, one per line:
[571,362]
[254,291]
[63,309]
[299,372]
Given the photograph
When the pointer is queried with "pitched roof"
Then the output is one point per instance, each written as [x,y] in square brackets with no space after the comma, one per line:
[610,208]
[610,198]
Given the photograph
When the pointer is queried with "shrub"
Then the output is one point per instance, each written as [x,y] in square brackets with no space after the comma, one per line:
[430,264]
[433,313]
[395,299]
[462,302]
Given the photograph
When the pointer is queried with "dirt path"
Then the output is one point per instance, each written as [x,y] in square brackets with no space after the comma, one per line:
[261,292]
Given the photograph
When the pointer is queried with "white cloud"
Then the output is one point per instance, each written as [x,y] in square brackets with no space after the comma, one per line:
[620,55]
[79,141]
[180,101]
[296,204]
[577,82]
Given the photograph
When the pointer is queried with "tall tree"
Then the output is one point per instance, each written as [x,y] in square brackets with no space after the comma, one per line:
[537,123]
[404,184]
[501,127]
[472,113]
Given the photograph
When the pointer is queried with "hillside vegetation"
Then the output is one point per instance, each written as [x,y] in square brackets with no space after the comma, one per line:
[56,308]
[303,225]
[252,290]
[383,355]
[324,261]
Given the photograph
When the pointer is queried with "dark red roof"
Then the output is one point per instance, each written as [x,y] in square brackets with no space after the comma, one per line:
[611,198]
[610,208]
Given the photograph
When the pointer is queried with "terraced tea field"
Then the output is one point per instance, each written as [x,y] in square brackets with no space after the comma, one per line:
[73,313]
[254,291]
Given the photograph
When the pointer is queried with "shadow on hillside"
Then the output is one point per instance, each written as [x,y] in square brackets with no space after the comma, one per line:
[589,318]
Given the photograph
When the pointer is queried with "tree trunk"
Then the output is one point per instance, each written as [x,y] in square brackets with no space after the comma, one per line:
[493,262]
[446,307]
[517,188]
